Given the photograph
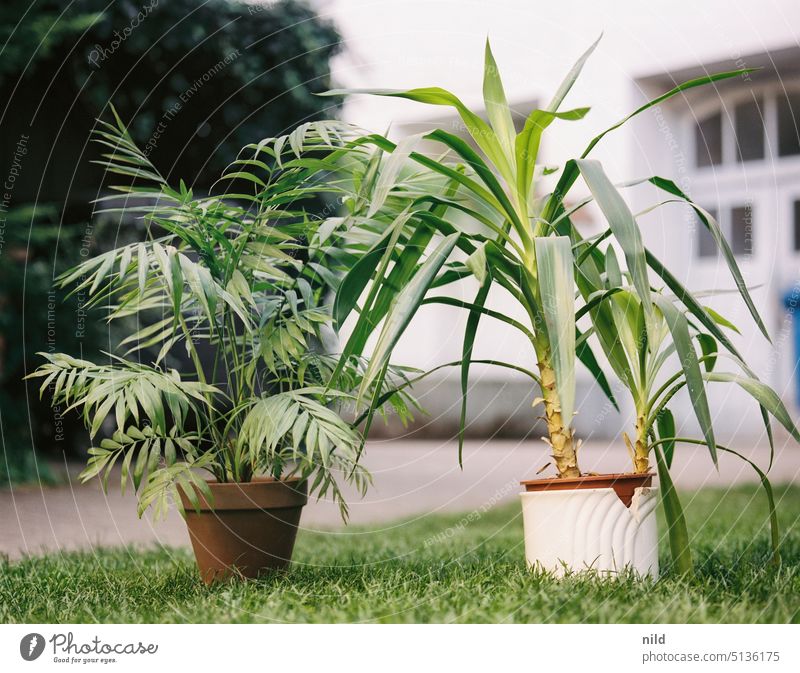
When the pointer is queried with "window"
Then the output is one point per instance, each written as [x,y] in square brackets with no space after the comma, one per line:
[741,230]
[749,130]
[796,223]
[737,229]
[708,141]
[706,246]
[745,139]
[788,132]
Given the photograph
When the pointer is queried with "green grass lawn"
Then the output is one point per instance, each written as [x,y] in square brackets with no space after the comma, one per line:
[451,568]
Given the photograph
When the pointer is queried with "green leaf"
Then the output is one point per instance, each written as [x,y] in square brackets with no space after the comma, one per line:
[177,281]
[625,229]
[775,536]
[472,306]
[603,323]
[466,360]
[711,224]
[437,166]
[463,149]
[481,132]
[494,98]
[357,278]
[404,267]
[665,424]
[587,357]
[685,86]
[763,394]
[367,321]
[708,345]
[476,263]
[526,145]
[404,308]
[720,320]
[676,521]
[679,328]
[689,301]
[571,77]
[570,172]
[554,263]
[390,170]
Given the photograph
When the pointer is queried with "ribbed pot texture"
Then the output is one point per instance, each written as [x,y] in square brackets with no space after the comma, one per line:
[248,529]
[605,524]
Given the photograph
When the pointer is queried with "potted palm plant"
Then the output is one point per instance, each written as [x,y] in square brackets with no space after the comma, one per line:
[478,212]
[219,400]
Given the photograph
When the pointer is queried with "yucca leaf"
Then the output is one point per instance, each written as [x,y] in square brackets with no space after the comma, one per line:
[494,98]
[481,132]
[571,77]
[474,306]
[665,424]
[526,145]
[357,279]
[688,300]
[708,345]
[685,86]
[721,320]
[676,521]
[775,536]
[570,172]
[763,394]
[554,263]
[711,224]
[603,323]
[476,263]
[710,320]
[405,306]
[438,167]
[585,354]
[470,333]
[595,300]
[367,321]
[625,229]
[679,328]
[405,264]
[462,148]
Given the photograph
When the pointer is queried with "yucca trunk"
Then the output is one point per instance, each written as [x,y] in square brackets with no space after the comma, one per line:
[641,450]
[561,437]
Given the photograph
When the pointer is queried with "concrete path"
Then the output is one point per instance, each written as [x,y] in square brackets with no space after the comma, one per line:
[411,479]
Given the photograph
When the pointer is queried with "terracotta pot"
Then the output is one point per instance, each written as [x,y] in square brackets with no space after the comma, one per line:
[248,529]
[603,523]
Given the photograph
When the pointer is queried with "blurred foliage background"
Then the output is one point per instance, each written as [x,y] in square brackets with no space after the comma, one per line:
[195,81]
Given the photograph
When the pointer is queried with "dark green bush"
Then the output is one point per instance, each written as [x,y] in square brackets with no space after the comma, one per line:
[194,81]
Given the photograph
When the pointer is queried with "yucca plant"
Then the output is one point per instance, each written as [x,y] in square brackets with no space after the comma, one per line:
[227,375]
[524,242]
[481,209]
[646,363]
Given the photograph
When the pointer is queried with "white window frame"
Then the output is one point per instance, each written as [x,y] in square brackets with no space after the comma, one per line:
[726,104]
[732,182]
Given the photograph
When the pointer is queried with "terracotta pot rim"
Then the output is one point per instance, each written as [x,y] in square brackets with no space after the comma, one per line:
[254,481]
[623,484]
[262,493]
[612,477]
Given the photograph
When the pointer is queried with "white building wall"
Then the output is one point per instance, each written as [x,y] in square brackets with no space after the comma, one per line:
[665,146]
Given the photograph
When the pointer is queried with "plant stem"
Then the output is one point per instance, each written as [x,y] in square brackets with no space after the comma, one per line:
[562,440]
[641,456]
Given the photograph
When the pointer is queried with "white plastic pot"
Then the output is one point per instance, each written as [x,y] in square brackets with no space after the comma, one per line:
[591,528]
